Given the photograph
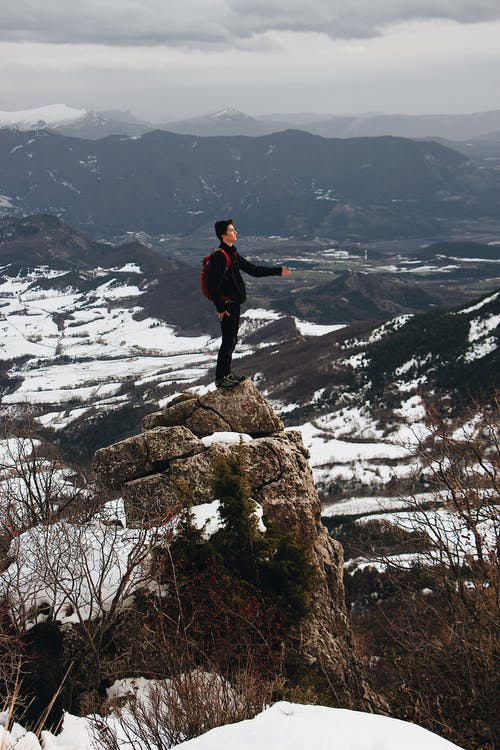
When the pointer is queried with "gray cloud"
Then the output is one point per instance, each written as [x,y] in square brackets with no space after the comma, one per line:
[219,22]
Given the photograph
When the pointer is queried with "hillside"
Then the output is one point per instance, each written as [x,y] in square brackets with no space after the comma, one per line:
[357,296]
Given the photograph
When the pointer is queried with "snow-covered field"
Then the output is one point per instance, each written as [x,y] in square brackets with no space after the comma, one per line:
[84,346]
[349,446]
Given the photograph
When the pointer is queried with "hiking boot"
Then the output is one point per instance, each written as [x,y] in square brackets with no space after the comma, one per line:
[226,382]
[238,378]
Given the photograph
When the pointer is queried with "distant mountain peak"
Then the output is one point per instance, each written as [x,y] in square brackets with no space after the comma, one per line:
[229,113]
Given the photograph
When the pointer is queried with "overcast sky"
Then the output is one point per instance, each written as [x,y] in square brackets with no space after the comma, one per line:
[167,59]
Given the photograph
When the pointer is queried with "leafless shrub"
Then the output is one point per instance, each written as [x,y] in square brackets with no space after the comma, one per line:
[36,485]
[171,711]
[432,637]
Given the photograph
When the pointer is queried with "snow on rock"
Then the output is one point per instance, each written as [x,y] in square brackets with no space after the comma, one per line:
[225,437]
[289,726]
[206,518]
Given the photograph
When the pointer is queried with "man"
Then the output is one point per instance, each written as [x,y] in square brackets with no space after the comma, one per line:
[227,290]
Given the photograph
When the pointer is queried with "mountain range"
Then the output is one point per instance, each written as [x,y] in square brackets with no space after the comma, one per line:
[289,183]
[229,121]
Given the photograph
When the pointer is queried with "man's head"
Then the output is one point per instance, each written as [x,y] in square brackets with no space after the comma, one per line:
[225,231]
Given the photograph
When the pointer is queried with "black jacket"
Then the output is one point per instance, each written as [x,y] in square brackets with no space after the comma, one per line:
[227,285]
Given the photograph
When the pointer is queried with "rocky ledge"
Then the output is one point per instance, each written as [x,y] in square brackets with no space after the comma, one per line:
[149,469]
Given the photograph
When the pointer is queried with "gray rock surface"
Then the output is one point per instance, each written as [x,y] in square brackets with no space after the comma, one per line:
[143,454]
[238,409]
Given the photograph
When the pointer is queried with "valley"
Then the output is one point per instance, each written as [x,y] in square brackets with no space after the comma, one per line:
[88,348]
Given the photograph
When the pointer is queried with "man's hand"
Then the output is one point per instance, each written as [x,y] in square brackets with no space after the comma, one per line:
[285,271]
[220,315]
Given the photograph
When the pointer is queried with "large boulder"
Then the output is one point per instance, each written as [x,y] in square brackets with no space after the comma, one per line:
[143,454]
[238,409]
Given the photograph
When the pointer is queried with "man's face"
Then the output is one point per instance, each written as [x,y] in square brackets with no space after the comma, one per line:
[230,235]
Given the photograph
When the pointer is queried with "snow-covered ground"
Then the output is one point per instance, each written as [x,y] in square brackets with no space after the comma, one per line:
[283,726]
[290,726]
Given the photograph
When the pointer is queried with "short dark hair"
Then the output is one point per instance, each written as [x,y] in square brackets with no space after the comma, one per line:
[221,227]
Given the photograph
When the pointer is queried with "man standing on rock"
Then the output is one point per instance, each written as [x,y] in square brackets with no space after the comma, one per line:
[227,289]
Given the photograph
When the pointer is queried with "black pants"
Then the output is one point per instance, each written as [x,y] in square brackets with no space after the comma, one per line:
[229,328]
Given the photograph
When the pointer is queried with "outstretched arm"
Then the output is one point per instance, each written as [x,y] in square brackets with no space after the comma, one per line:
[253,270]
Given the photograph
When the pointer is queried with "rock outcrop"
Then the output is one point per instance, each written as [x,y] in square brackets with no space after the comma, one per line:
[244,411]
[150,468]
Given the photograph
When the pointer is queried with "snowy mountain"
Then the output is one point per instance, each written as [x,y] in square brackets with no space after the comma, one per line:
[50,116]
[227,121]
[478,126]
[229,113]
[95,125]
[79,123]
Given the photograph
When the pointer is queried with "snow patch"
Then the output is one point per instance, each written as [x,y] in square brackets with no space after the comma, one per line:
[314,329]
[230,438]
[289,726]
[479,305]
